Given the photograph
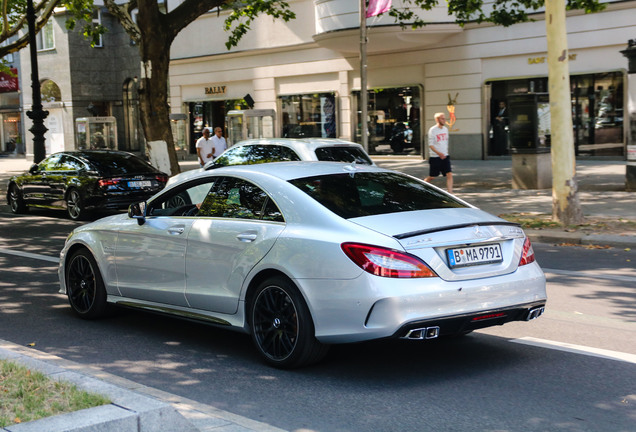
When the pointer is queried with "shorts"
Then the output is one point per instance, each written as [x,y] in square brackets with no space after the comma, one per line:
[439,165]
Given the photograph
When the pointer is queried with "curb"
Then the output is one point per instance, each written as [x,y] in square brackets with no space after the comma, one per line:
[140,410]
[556,237]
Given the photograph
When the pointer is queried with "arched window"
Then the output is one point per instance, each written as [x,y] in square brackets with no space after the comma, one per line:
[50,91]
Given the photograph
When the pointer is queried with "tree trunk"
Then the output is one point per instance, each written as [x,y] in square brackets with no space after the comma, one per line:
[565,202]
[153,91]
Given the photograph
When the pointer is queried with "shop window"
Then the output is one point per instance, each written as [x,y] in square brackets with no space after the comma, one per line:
[50,91]
[393,120]
[311,115]
[44,39]
[597,112]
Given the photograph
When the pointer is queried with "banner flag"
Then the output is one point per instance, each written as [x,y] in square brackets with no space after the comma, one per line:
[377,7]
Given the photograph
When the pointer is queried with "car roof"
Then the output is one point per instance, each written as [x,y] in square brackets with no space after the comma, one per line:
[292,170]
[300,143]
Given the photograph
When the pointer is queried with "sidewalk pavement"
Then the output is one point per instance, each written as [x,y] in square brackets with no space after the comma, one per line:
[485,184]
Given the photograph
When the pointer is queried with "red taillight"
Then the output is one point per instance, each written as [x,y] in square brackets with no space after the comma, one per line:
[386,262]
[107,182]
[162,178]
[527,254]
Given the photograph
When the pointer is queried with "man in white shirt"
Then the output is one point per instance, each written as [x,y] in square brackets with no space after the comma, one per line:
[205,148]
[219,142]
[438,160]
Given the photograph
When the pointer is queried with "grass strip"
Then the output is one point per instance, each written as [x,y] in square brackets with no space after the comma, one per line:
[26,395]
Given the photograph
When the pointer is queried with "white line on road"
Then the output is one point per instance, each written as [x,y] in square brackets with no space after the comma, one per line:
[577,349]
[30,255]
[587,274]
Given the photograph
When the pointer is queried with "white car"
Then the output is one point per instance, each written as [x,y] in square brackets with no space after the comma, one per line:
[302,255]
[263,150]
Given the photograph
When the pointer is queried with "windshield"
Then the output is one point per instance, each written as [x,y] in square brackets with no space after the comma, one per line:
[368,194]
[343,154]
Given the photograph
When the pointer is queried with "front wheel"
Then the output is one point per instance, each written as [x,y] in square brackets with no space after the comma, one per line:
[16,202]
[85,286]
[75,205]
[282,327]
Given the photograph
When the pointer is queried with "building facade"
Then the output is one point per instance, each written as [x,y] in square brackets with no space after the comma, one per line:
[490,81]
[78,81]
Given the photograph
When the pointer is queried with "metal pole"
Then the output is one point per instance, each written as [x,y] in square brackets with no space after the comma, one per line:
[364,95]
[37,114]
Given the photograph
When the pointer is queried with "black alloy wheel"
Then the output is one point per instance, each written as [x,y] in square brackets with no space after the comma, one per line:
[16,201]
[282,327]
[85,286]
[74,205]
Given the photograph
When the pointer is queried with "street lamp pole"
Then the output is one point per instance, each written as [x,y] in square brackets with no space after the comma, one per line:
[37,114]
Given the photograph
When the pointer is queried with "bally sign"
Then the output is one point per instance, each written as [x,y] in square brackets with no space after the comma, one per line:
[9,83]
[215,90]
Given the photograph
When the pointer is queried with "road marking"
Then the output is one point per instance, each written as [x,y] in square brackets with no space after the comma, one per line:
[30,255]
[577,349]
[573,273]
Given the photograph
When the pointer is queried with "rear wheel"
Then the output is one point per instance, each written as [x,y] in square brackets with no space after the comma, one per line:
[75,205]
[16,201]
[85,286]
[282,327]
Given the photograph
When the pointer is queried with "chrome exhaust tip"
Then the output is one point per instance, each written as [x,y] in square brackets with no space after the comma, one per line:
[535,313]
[422,333]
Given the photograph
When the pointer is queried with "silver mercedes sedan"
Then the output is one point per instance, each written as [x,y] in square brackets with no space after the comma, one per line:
[302,255]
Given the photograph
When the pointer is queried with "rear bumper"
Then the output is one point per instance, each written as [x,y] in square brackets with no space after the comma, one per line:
[458,324]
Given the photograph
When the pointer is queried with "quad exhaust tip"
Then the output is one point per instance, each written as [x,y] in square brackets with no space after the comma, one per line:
[535,313]
[422,333]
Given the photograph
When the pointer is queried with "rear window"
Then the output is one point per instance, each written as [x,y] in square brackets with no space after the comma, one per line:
[343,154]
[115,164]
[255,154]
[368,194]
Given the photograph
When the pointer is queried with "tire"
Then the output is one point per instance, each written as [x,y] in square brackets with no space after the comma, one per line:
[281,325]
[75,205]
[180,200]
[85,286]
[16,202]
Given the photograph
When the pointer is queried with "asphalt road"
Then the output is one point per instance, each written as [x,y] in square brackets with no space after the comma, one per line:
[512,378]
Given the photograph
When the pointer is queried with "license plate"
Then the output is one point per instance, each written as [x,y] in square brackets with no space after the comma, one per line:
[474,255]
[139,184]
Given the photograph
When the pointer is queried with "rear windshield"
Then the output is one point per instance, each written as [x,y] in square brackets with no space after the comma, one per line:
[115,164]
[367,194]
[343,154]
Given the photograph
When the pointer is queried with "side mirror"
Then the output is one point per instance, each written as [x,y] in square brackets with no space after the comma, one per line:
[138,211]
[33,169]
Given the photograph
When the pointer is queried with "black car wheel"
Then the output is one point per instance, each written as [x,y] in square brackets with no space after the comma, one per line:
[282,327]
[74,205]
[85,286]
[16,201]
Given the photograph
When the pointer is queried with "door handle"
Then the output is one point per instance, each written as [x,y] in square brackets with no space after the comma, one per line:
[248,236]
[176,230]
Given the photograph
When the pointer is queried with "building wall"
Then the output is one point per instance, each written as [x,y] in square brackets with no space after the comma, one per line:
[312,54]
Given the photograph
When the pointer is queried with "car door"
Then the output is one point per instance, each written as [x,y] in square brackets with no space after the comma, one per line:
[237,225]
[35,185]
[150,258]
[59,176]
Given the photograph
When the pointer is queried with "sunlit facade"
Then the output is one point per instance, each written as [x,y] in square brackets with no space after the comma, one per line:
[308,71]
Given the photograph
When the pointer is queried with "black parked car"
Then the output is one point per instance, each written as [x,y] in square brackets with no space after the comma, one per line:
[81,181]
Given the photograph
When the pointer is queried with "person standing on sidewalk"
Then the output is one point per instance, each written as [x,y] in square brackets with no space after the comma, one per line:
[205,147]
[218,141]
[438,160]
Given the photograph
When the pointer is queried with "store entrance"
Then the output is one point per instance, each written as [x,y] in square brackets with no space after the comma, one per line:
[210,114]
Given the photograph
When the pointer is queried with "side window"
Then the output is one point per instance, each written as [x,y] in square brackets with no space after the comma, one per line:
[240,199]
[181,201]
[235,156]
[52,163]
[69,163]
